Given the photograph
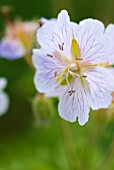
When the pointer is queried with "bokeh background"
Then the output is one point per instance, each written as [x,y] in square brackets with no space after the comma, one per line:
[52,144]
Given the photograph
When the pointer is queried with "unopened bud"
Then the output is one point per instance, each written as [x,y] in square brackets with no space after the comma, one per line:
[42,109]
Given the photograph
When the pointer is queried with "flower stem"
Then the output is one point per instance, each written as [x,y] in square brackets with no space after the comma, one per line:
[105,162]
[28,60]
[67,142]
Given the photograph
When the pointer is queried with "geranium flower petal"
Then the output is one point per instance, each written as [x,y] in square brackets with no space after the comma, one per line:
[53,35]
[56,92]
[99,88]
[94,45]
[45,78]
[110,33]
[75,105]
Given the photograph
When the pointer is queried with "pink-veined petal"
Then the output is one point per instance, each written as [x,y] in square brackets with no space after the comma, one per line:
[110,33]
[99,88]
[94,45]
[56,92]
[45,78]
[54,36]
[76,105]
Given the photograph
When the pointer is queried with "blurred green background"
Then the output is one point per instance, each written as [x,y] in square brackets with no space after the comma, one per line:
[55,145]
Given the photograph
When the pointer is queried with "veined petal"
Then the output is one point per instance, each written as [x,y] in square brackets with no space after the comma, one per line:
[57,92]
[63,18]
[94,45]
[99,88]
[99,28]
[110,33]
[57,36]
[47,70]
[75,105]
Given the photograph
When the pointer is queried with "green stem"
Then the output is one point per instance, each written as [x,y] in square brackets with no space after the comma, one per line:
[105,162]
[28,60]
[67,144]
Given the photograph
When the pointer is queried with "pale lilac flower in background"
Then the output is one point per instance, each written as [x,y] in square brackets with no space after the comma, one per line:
[4,98]
[18,39]
[45,20]
[68,65]
[11,48]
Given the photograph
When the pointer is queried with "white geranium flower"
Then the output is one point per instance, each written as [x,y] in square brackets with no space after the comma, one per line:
[68,64]
[4,99]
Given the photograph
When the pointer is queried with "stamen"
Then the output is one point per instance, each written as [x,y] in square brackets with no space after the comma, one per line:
[40,23]
[68,81]
[91,65]
[62,74]
[78,75]
[73,74]
[79,59]
[61,46]
[105,65]
[84,76]
[55,73]
[49,55]
[71,92]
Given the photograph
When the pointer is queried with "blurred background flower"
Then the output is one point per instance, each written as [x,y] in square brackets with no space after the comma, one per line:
[4,99]
[18,37]
[56,144]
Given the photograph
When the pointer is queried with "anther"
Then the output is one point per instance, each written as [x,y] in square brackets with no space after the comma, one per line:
[61,46]
[84,76]
[40,23]
[78,59]
[71,92]
[49,55]
[55,73]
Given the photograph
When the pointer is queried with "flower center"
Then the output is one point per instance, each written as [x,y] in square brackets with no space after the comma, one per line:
[75,69]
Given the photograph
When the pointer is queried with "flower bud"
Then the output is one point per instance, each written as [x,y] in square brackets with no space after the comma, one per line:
[42,109]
